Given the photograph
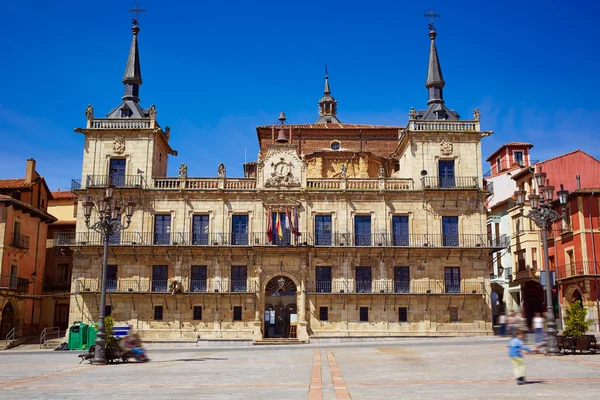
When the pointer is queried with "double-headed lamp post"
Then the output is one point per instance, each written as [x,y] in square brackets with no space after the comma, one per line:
[107,224]
[543,214]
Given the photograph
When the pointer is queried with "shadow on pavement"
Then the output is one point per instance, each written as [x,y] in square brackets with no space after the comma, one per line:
[195,359]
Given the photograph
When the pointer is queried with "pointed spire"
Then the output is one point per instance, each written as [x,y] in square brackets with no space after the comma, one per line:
[435,81]
[327,105]
[132,79]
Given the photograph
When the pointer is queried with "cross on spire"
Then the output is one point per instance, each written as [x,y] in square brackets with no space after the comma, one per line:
[326,74]
[432,16]
[137,10]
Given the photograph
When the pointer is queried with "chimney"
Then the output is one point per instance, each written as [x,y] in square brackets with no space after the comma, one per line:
[30,171]
[578,181]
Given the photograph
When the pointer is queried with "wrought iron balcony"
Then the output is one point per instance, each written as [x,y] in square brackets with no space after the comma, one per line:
[388,286]
[450,183]
[20,241]
[119,181]
[183,285]
[13,283]
[578,269]
[288,239]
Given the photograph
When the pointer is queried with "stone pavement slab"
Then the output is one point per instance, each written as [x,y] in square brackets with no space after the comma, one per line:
[412,368]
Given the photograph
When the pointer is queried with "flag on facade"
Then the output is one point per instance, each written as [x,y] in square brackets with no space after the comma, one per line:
[269,226]
[278,227]
[296,230]
[288,219]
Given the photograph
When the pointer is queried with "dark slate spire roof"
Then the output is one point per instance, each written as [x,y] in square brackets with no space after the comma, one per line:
[132,79]
[435,83]
[327,106]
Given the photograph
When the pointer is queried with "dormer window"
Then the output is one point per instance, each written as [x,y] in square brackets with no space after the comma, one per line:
[126,112]
[335,145]
[498,164]
[518,158]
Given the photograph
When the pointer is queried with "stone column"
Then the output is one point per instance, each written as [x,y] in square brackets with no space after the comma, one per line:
[301,307]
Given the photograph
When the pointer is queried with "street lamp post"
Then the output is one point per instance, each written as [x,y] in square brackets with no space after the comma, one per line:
[543,214]
[107,224]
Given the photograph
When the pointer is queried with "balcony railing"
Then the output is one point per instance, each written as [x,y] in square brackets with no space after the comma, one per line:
[121,181]
[262,239]
[578,269]
[184,285]
[121,123]
[456,182]
[20,241]
[443,126]
[13,283]
[388,286]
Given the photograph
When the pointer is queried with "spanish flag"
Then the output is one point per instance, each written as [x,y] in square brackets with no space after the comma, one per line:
[278,227]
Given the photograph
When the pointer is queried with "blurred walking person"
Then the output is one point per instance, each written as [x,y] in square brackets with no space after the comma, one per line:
[502,322]
[538,328]
[515,352]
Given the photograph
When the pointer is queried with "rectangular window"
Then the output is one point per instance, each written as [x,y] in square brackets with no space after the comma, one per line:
[446,173]
[112,276]
[75,210]
[158,313]
[400,230]
[401,279]
[282,234]
[237,313]
[518,158]
[159,278]
[199,278]
[521,262]
[116,174]
[62,273]
[107,311]
[323,314]
[323,279]
[197,313]
[115,238]
[402,314]
[162,229]
[363,279]
[364,314]
[498,164]
[450,231]
[239,230]
[200,230]
[323,230]
[534,263]
[362,230]
[452,279]
[239,276]
[453,314]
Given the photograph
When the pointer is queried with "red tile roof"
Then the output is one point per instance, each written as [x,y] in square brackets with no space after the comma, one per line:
[332,126]
[513,144]
[14,184]
[58,195]
[44,216]
[64,222]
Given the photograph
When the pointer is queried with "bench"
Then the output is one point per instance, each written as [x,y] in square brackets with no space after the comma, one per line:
[113,355]
[569,344]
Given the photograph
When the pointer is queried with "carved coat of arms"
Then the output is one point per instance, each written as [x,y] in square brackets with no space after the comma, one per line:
[446,148]
[119,145]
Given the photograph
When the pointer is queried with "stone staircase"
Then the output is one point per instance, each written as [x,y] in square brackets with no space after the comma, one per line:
[277,341]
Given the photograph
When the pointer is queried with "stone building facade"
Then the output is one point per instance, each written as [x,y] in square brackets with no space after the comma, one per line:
[336,230]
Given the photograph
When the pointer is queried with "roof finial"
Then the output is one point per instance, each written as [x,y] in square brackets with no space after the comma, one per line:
[435,81]
[327,89]
[132,79]
[432,16]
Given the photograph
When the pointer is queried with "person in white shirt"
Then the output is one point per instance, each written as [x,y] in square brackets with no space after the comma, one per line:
[538,328]
[502,322]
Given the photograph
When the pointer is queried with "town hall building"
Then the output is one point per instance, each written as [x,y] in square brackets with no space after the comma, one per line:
[336,230]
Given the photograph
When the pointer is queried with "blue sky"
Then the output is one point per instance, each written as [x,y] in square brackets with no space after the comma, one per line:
[216,70]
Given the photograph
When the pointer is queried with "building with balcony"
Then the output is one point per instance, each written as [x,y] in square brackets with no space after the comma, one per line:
[579,173]
[24,220]
[337,229]
[59,262]
[509,159]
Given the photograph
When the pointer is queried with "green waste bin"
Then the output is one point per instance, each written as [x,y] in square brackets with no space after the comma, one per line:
[78,336]
[92,334]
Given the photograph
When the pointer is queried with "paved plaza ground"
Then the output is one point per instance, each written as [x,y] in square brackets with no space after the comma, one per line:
[427,368]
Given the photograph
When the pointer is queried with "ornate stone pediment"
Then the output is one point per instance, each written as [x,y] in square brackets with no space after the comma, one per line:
[281,201]
[281,168]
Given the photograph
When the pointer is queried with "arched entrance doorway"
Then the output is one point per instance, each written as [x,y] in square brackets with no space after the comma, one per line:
[280,307]
[8,320]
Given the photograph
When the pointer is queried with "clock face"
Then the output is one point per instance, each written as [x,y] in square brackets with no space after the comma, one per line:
[282,168]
